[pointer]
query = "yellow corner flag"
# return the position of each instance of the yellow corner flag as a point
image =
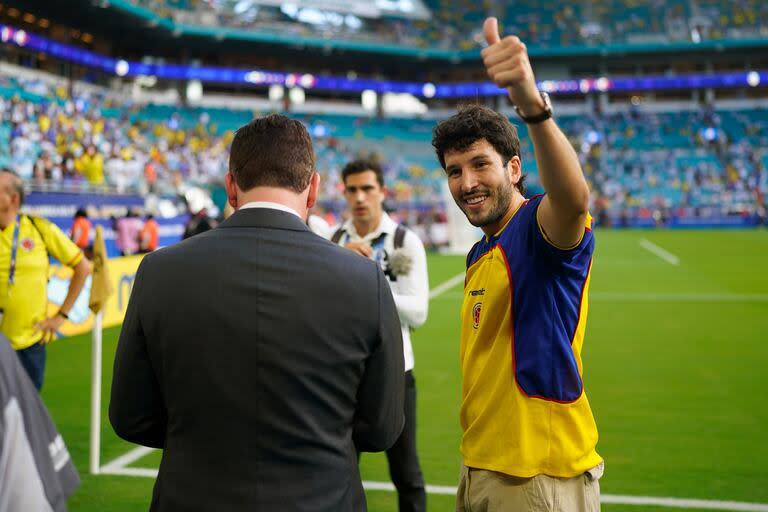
(101, 288)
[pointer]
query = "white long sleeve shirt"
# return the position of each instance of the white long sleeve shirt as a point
(411, 290)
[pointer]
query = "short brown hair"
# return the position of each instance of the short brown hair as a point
(358, 166)
(272, 151)
(473, 123)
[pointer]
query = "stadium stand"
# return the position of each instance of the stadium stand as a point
(700, 163)
(454, 23)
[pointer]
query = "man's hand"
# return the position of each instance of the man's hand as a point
(360, 248)
(507, 64)
(49, 326)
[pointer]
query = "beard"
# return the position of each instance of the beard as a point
(499, 200)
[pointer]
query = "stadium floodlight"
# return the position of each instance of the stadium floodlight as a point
(276, 92)
(297, 96)
(307, 81)
(194, 91)
(20, 37)
(548, 86)
(256, 77)
(369, 99)
(753, 78)
(291, 79)
(429, 90)
(602, 84)
(121, 68)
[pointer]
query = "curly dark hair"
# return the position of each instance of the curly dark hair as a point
(358, 166)
(473, 123)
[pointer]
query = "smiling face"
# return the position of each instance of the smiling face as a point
(482, 185)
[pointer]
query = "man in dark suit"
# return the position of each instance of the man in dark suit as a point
(258, 355)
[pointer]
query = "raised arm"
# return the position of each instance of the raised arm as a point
(563, 210)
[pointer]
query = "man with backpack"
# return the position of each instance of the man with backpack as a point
(26, 242)
(373, 234)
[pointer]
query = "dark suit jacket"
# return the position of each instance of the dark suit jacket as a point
(257, 355)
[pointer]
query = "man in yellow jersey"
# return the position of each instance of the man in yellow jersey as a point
(529, 436)
(26, 242)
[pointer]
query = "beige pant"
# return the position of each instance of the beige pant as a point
(488, 491)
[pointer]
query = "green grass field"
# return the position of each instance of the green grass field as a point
(676, 367)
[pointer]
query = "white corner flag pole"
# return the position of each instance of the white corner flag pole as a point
(96, 393)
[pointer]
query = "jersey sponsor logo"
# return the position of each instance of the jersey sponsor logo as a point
(475, 293)
(476, 314)
(27, 244)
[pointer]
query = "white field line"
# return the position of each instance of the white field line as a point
(679, 297)
(446, 285)
(126, 459)
(658, 297)
(659, 251)
(605, 498)
(138, 472)
(684, 503)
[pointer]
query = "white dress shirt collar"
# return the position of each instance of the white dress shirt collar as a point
(270, 205)
(386, 225)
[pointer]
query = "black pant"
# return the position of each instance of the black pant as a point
(404, 468)
(32, 359)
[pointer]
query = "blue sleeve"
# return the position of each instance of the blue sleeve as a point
(532, 236)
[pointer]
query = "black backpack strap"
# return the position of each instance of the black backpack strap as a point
(400, 236)
(337, 235)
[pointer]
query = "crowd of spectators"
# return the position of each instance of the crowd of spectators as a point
(638, 163)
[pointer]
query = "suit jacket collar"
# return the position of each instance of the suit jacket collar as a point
(264, 218)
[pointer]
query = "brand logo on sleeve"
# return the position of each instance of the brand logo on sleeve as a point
(476, 314)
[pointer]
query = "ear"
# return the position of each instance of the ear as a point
(384, 193)
(314, 190)
(231, 187)
(515, 169)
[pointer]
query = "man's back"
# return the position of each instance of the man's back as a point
(274, 353)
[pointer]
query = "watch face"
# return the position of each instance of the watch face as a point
(547, 101)
(546, 114)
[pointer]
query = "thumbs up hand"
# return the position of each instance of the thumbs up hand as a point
(507, 64)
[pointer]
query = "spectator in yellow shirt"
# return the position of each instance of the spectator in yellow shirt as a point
(91, 165)
(26, 242)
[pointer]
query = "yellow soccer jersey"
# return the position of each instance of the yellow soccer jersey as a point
(524, 411)
(25, 303)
